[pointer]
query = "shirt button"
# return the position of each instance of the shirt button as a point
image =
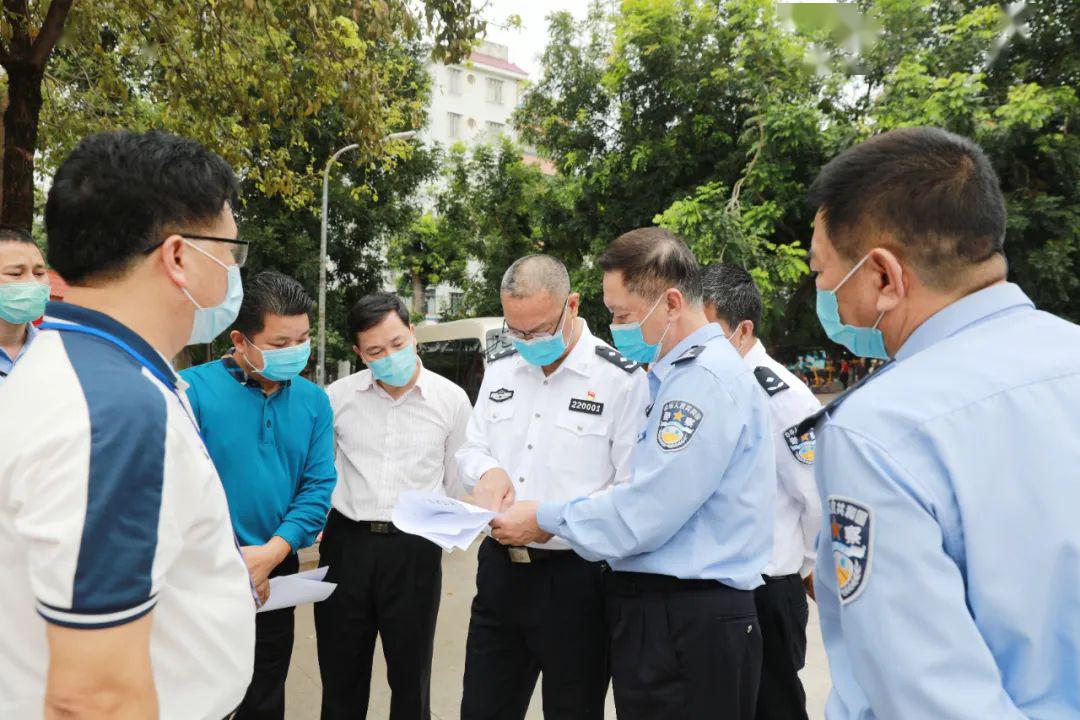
(545, 382)
(579, 428)
(530, 447)
(521, 479)
(537, 414)
(267, 423)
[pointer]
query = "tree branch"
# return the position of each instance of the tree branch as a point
(50, 33)
(18, 16)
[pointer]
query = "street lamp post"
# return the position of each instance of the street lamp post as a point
(320, 367)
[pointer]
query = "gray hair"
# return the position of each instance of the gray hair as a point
(533, 273)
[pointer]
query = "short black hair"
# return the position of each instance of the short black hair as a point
(651, 260)
(117, 192)
(14, 233)
(270, 293)
(732, 291)
(934, 192)
(372, 309)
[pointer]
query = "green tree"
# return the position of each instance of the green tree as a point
(245, 78)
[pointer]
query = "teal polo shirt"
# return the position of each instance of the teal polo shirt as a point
(275, 453)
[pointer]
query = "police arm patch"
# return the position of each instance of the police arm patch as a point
(769, 381)
(679, 421)
(852, 532)
(801, 446)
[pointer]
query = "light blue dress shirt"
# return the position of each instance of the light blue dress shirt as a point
(948, 577)
(703, 478)
(7, 363)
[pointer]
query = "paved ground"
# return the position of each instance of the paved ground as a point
(459, 586)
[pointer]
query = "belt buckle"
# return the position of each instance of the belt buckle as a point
(519, 555)
(381, 528)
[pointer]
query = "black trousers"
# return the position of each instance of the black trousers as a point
(265, 697)
(543, 617)
(388, 585)
(783, 612)
(682, 649)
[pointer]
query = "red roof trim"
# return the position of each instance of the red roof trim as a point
(491, 61)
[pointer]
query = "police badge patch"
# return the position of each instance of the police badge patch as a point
(801, 446)
(851, 527)
(501, 395)
(679, 420)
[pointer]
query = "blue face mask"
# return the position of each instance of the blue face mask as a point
(22, 302)
(867, 342)
(212, 321)
(543, 351)
(396, 369)
(630, 341)
(283, 363)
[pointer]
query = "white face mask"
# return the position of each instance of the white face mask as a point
(212, 321)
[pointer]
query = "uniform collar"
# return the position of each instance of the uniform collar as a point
(966, 311)
(757, 355)
(31, 333)
(78, 315)
(702, 335)
(576, 361)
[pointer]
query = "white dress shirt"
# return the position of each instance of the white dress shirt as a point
(798, 507)
(383, 446)
(559, 437)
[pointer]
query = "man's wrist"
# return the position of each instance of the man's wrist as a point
(280, 547)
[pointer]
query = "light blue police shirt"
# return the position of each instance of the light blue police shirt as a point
(7, 363)
(703, 476)
(948, 577)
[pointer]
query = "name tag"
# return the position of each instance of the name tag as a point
(589, 407)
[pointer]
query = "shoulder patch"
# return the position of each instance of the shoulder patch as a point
(679, 421)
(689, 354)
(852, 533)
(499, 352)
(801, 446)
(617, 359)
(770, 381)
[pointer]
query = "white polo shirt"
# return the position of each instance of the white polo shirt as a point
(111, 508)
(798, 506)
(567, 435)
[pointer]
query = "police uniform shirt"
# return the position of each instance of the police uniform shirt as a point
(385, 446)
(110, 507)
(703, 476)
(561, 436)
(7, 363)
(948, 580)
(798, 505)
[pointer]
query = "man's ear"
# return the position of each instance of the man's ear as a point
(890, 278)
(357, 351)
(573, 302)
(173, 255)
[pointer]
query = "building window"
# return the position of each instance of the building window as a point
(494, 91)
(494, 130)
(455, 81)
(454, 121)
(430, 306)
(457, 300)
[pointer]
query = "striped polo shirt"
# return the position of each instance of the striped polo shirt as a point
(110, 507)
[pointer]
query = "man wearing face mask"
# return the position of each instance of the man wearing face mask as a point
(947, 576)
(114, 528)
(270, 434)
(396, 428)
(24, 290)
(733, 302)
(688, 535)
(556, 418)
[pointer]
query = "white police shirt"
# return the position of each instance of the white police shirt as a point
(798, 505)
(110, 507)
(560, 437)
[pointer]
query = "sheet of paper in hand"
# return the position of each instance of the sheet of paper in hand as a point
(444, 521)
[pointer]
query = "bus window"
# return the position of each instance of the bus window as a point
(460, 361)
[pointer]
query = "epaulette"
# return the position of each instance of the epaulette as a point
(616, 359)
(689, 354)
(811, 421)
(499, 352)
(768, 380)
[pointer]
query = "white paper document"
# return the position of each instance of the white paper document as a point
(306, 587)
(444, 521)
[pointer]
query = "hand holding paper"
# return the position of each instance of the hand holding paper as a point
(289, 590)
(444, 521)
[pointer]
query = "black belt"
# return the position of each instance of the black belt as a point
(648, 582)
(773, 579)
(375, 527)
(526, 555)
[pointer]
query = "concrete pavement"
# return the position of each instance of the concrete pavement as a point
(303, 690)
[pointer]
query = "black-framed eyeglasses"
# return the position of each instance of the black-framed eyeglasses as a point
(239, 247)
(519, 335)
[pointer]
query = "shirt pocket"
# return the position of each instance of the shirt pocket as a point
(582, 452)
(499, 412)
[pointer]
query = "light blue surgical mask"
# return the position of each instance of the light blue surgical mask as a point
(396, 369)
(543, 351)
(630, 341)
(212, 321)
(867, 342)
(283, 364)
(22, 302)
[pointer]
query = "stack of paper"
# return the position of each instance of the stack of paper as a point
(289, 590)
(444, 521)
